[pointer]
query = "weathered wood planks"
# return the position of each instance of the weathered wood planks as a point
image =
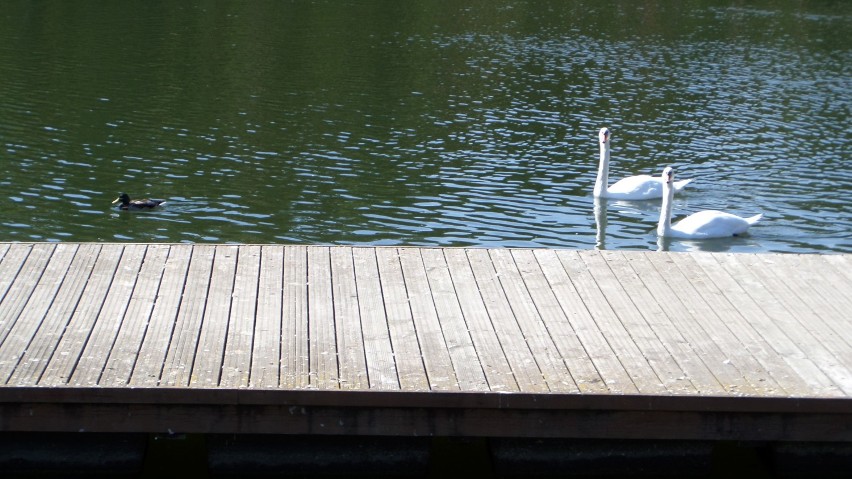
(424, 320)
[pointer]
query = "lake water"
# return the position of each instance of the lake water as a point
(438, 123)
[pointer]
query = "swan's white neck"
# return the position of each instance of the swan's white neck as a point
(602, 181)
(664, 227)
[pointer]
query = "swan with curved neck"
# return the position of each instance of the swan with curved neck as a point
(701, 225)
(639, 187)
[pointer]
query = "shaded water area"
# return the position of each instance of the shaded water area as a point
(436, 123)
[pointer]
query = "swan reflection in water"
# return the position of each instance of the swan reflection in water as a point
(600, 223)
(717, 245)
(624, 210)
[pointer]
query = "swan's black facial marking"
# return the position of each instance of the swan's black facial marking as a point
(604, 135)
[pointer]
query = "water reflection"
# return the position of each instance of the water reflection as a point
(715, 245)
(379, 122)
(600, 210)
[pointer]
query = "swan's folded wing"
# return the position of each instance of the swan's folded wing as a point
(711, 224)
(640, 187)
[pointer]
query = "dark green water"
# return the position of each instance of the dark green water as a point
(466, 123)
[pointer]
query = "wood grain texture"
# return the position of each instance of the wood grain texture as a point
(446, 328)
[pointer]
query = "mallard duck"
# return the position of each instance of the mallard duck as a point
(639, 187)
(144, 204)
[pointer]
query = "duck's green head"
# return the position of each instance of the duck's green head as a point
(124, 198)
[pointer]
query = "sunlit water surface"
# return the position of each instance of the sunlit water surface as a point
(422, 123)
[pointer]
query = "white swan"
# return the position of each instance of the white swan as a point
(700, 225)
(640, 187)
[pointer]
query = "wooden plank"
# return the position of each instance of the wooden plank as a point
(102, 319)
(829, 282)
(785, 320)
(19, 291)
(803, 303)
(686, 373)
(433, 346)
(406, 349)
(553, 369)
(123, 321)
(237, 360)
(351, 357)
(833, 269)
(205, 369)
(296, 340)
(22, 328)
(13, 261)
(614, 312)
(42, 345)
(494, 360)
(268, 363)
(816, 313)
(718, 319)
(557, 322)
(63, 361)
(705, 348)
(815, 285)
(466, 364)
(98, 347)
(743, 371)
(321, 328)
(378, 351)
(842, 264)
(158, 333)
(524, 367)
(19, 276)
(571, 283)
(769, 373)
(797, 320)
(805, 376)
(641, 352)
(183, 345)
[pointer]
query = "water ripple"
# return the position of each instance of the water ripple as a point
(477, 129)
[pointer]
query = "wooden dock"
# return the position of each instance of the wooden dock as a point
(425, 342)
